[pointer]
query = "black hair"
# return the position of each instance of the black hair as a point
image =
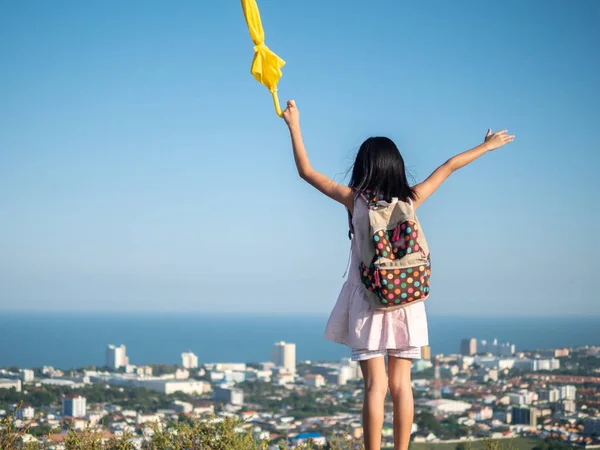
(379, 168)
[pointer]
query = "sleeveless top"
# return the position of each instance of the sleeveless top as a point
(355, 323)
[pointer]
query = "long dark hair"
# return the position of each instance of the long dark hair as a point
(379, 167)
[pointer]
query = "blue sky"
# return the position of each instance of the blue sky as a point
(142, 168)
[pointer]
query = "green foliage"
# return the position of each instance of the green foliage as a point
(212, 434)
(552, 444)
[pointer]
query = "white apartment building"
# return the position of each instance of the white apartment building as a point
(568, 392)
(546, 364)
(284, 355)
(116, 357)
(26, 375)
(189, 360)
(314, 380)
(74, 405)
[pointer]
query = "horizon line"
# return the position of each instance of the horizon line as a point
(278, 314)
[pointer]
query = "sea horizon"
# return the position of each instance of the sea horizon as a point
(77, 338)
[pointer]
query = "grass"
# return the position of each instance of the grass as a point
(515, 443)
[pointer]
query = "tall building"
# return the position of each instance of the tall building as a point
(568, 392)
(26, 375)
(74, 405)
(426, 353)
(468, 346)
(568, 406)
(524, 416)
(116, 357)
(189, 360)
(284, 355)
(550, 395)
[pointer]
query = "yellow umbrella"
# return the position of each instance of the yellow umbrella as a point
(266, 66)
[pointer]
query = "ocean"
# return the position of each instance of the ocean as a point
(70, 340)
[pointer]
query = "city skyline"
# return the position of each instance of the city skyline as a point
(500, 397)
(110, 162)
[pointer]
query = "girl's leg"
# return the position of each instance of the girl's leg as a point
(402, 397)
(373, 370)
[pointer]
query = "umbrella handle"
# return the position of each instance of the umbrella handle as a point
(276, 102)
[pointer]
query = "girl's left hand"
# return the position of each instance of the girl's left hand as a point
(498, 139)
(291, 115)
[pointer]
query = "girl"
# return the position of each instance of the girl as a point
(374, 334)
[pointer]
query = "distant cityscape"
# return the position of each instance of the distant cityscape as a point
(486, 390)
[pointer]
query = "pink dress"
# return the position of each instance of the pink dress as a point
(355, 323)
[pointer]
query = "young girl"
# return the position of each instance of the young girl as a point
(374, 334)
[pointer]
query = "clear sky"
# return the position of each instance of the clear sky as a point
(142, 168)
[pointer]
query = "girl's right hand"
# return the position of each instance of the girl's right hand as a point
(496, 140)
(291, 115)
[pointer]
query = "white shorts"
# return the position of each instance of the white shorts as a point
(408, 353)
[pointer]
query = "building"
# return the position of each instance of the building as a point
(22, 413)
(443, 406)
(314, 380)
(181, 407)
(546, 364)
(426, 353)
(238, 367)
(561, 352)
(481, 414)
(568, 406)
(522, 398)
(260, 375)
(420, 364)
(144, 371)
(26, 375)
(591, 426)
(448, 371)
(189, 360)
(116, 357)
(302, 438)
(336, 378)
(485, 375)
(568, 392)
(523, 364)
(229, 395)
(468, 346)
(524, 416)
(284, 355)
(352, 369)
(228, 376)
(495, 348)
(74, 405)
(167, 386)
(5, 383)
(550, 395)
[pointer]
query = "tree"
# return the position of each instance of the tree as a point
(552, 444)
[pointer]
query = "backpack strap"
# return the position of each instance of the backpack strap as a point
(350, 226)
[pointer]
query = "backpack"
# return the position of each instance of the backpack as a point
(395, 264)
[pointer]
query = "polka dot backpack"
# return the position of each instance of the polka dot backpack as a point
(395, 265)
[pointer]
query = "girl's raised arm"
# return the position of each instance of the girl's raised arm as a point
(327, 186)
(491, 142)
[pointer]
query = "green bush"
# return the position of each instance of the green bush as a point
(221, 434)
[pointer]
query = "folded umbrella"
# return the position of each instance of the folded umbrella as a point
(266, 65)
